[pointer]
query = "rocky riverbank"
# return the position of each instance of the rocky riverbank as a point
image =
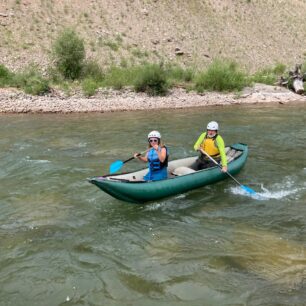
(14, 101)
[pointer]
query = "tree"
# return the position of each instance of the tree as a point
(69, 54)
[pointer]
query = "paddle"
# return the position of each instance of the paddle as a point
(117, 165)
(245, 188)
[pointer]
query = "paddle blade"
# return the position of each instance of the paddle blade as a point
(248, 189)
(115, 166)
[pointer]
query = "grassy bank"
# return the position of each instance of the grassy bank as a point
(154, 79)
(70, 69)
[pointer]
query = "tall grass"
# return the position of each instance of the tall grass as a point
(268, 76)
(30, 80)
(152, 79)
(89, 87)
(149, 78)
(221, 76)
(91, 69)
(119, 77)
(304, 69)
(175, 74)
(6, 76)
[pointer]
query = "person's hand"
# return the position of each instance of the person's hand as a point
(155, 146)
(136, 155)
(224, 169)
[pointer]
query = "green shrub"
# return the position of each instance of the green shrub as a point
(123, 63)
(221, 76)
(268, 76)
(68, 87)
(118, 77)
(304, 67)
(69, 54)
(37, 86)
(265, 76)
(111, 44)
(139, 54)
(89, 87)
(31, 81)
(91, 69)
(279, 68)
(5, 76)
(55, 76)
(115, 78)
(152, 80)
(178, 73)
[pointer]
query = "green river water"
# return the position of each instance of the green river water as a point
(65, 242)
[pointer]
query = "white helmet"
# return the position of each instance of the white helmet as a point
(213, 125)
(154, 134)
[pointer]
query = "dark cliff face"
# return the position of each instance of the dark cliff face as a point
(256, 34)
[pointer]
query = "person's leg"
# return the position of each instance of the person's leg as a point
(148, 176)
(159, 174)
(212, 164)
(201, 164)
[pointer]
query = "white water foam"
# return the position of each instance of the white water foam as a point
(240, 191)
(164, 204)
(81, 145)
(37, 161)
(152, 207)
(266, 194)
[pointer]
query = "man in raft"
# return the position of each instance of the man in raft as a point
(213, 144)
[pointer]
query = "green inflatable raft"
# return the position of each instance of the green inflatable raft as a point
(182, 177)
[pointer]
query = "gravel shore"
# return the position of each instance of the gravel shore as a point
(14, 101)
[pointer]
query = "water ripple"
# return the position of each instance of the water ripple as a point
(64, 242)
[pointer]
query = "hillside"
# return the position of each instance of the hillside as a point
(255, 33)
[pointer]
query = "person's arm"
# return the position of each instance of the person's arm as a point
(162, 153)
(221, 147)
(142, 158)
(199, 141)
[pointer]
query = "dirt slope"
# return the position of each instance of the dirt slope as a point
(255, 33)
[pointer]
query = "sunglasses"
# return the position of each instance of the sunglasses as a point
(153, 140)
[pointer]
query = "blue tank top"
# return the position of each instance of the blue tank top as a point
(157, 169)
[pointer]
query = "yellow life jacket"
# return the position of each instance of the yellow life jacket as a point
(209, 146)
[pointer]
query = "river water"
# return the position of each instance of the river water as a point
(65, 242)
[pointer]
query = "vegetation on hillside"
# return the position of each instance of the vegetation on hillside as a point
(70, 68)
(30, 80)
(69, 54)
(221, 76)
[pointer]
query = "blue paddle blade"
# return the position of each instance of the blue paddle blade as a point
(115, 166)
(248, 189)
